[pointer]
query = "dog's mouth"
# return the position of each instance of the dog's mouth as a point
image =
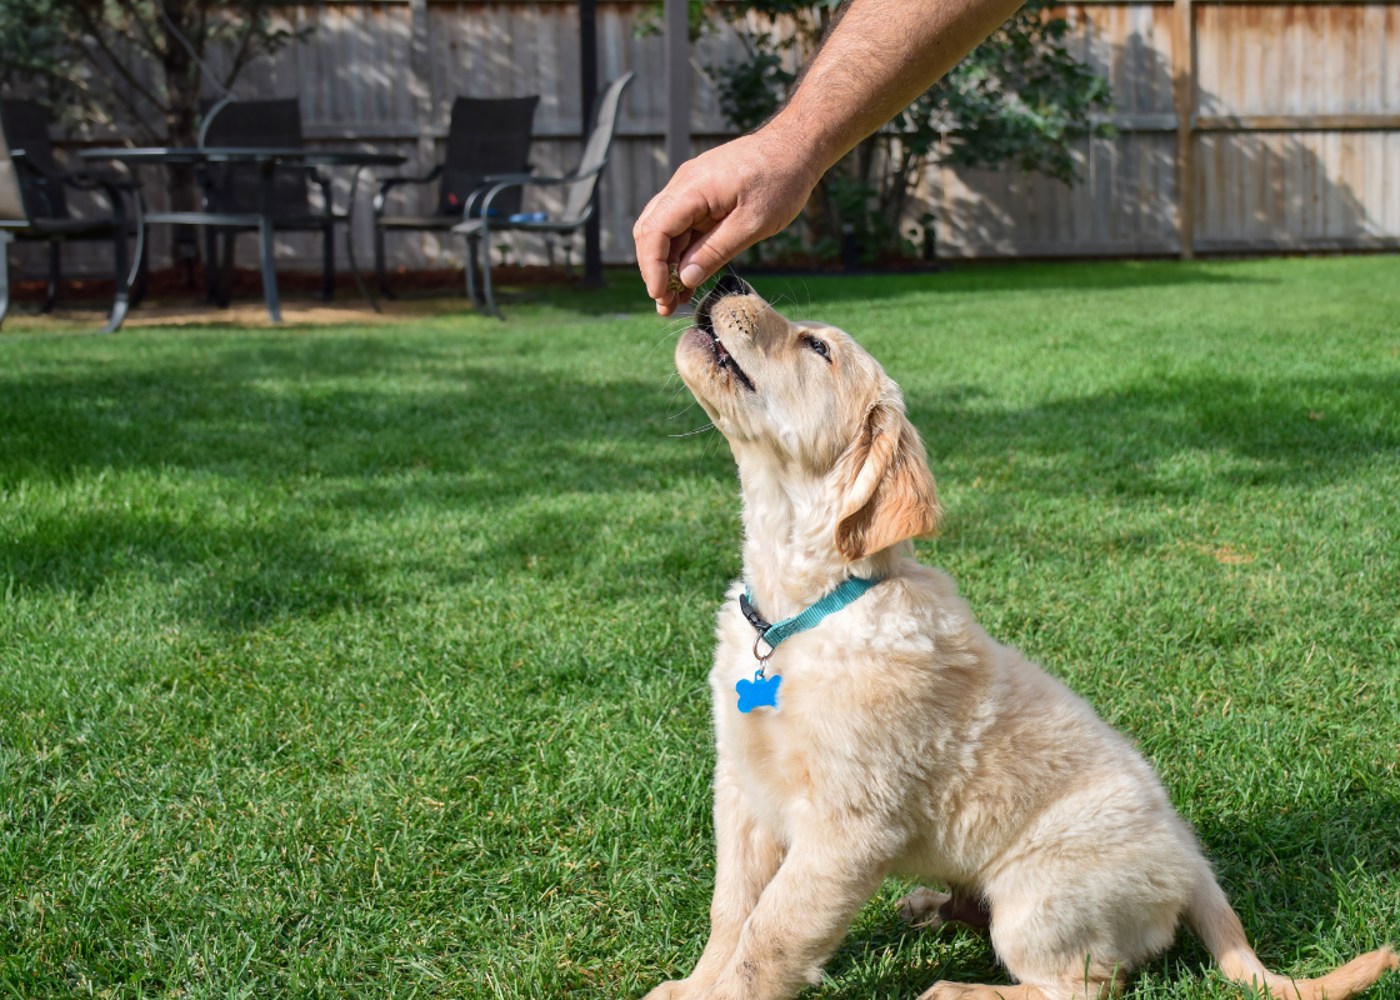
(724, 361)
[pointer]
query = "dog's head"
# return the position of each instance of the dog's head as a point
(805, 402)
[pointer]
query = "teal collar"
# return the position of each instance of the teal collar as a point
(773, 634)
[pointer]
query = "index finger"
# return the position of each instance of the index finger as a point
(664, 230)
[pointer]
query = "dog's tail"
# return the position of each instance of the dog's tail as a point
(1215, 923)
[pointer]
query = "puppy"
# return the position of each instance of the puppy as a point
(886, 732)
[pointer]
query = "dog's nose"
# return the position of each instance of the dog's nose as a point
(727, 284)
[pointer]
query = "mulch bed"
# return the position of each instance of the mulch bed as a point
(174, 283)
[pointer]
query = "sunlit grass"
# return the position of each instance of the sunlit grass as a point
(369, 660)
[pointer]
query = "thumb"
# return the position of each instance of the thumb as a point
(710, 251)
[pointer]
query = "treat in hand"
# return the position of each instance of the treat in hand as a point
(675, 285)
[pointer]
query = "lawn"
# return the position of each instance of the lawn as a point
(366, 661)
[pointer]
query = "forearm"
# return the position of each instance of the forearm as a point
(878, 58)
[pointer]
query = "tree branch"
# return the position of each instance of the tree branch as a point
(124, 98)
(114, 69)
(152, 45)
(244, 54)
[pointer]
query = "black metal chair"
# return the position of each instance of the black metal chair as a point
(236, 188)
(486, 136)
(34, 206)
(482, 215)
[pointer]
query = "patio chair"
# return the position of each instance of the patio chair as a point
(481, 217)
(237, 188)
(34, 206)
(486, 136)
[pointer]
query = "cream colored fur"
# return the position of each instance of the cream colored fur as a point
(906, 739)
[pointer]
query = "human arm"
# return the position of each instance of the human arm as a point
(880, 55)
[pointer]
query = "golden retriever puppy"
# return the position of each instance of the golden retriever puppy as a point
(865, 725)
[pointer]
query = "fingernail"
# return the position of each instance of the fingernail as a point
(661, 307)
(692, 275)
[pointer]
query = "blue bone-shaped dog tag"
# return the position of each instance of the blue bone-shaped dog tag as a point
(759, 692)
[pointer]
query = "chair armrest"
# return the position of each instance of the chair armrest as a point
(84, 179)
(511, 179)
(89, 179)
(40, 181)
(112, 185)
(494, 184)
(322, 181)
(501, 182)
(387, 184)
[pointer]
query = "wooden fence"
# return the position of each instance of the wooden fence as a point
(1242, 127)
(1246, 126)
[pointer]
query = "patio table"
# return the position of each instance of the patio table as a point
(264, 221)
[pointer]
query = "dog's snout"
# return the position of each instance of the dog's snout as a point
(727, 284)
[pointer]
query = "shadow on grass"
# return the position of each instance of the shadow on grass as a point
(991, 279)
(470, 436)
(511, 434)
(1296, 431)
(624, 294)
(1280, 869)
(254, 459)
(269, 571)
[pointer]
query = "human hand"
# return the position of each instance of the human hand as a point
(716, 206)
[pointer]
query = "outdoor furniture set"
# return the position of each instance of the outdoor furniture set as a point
(255, 174)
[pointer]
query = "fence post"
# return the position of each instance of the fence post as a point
(420, 82)
(1184, 97)
(677, 82)
(588, 80)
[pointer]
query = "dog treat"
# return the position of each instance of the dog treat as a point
(675, 285)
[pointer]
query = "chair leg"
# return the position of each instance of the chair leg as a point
(225, 291)
(328, 262)
(212, 267)
(486, 280)
(381, 275)
(121, 301)
(354, 262)
(55, 276)
(472, 293)
(143, 277)
(267, 247)
(4, 274)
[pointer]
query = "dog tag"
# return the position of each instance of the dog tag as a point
(758, 693)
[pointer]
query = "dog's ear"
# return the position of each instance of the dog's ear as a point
(887, 489)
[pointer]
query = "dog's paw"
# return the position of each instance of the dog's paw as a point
(676, 989)
(921, 908)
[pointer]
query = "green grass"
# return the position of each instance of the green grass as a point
(369, 661)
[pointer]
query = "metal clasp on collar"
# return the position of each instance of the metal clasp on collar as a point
(762, 658)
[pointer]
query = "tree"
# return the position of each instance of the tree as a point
(1019, 99)
(135, 64)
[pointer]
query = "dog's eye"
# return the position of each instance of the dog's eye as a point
(819, 346)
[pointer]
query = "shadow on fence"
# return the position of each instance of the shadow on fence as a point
(1253, 190)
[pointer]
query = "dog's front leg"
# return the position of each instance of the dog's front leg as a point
(746, 857)
(803, 913)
